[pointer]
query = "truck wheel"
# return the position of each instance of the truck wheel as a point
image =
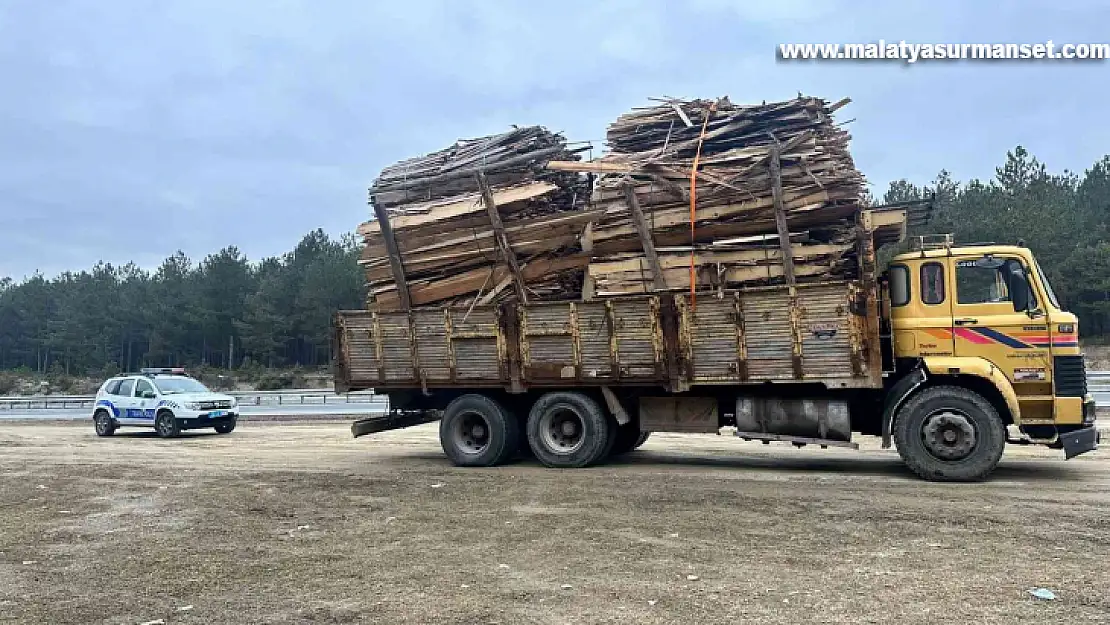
(166, 425)
(628, 437)
(105, 426)
(949, 434)
(569, 430)
(476, 431)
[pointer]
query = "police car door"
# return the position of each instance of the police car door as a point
(125, 403)
(146, 398)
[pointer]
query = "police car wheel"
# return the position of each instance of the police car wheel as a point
(105, 426)
(166, 425)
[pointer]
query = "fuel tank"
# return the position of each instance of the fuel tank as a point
(820, 418)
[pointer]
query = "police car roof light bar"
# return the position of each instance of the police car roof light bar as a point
(163, 371)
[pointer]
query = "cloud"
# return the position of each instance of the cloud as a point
(131, 129)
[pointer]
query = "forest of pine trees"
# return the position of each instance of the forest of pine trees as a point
(223, 310)
(226, 310)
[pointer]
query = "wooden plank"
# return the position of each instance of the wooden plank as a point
(587, 242)
(678, 279)
(461, 205)
(645, 236)
(395, 263)
(497, 288)
(520, 159)
(673, 216)
(472, 280)
(738, 257)
(507, 253)
(682, 115)
(780, 217)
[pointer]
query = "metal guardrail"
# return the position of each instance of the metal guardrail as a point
(1098, 384)
(245, 398)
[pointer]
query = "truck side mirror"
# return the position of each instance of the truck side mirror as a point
(1019, 291)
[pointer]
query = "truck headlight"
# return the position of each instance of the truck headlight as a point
(192, 405)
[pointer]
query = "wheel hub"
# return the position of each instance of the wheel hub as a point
(949, 435)
(563, 430)
(472, 434)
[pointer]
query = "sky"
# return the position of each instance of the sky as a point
(130, 129)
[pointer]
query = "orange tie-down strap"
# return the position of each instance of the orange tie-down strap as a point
(694, 203)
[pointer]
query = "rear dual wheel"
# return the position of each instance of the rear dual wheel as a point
(477, 431)
(628, 438)
(564, 429)
(569, 430)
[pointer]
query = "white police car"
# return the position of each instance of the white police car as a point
(165, 399)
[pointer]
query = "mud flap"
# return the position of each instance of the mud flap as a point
(1079, 442)
(896, 396)
(393, 421)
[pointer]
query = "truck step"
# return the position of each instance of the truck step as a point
(797, 441)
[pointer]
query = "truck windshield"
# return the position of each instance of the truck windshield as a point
(171, 386)
(1047, 287)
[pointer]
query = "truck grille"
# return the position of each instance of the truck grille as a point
(1069, 375)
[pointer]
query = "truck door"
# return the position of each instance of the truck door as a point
(987, 323)
(920, 308)
(934, 309)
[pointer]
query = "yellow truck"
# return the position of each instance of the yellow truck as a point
(950, 353)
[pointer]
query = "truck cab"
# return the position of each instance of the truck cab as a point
(984, 317)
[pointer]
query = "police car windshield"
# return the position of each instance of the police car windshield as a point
(170, 386)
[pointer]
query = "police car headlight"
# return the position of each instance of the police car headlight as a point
(192, 405)
(234, 403)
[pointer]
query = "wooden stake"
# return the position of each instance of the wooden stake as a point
(787, 262)
(394, 257)
(499, 236)
(780, 217)
(587, 242)
(658, 279)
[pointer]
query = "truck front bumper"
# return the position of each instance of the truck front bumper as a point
(1079, 442)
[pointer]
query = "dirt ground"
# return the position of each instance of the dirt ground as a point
(300, 523)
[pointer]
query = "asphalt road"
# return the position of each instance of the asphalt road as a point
(287, 410)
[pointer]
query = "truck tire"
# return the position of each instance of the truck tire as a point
(476, 431)
(949, 434)
(628, 437)
(569, 430)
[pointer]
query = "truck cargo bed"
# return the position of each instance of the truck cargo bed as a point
(817, 333)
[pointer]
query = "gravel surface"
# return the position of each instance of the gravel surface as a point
(300, 523)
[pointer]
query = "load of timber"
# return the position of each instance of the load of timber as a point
(477, 222)
(731, 195)
(693, 196)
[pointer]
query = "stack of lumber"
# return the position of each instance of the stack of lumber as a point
(451, 248)
(746, 156)
(702, 195)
